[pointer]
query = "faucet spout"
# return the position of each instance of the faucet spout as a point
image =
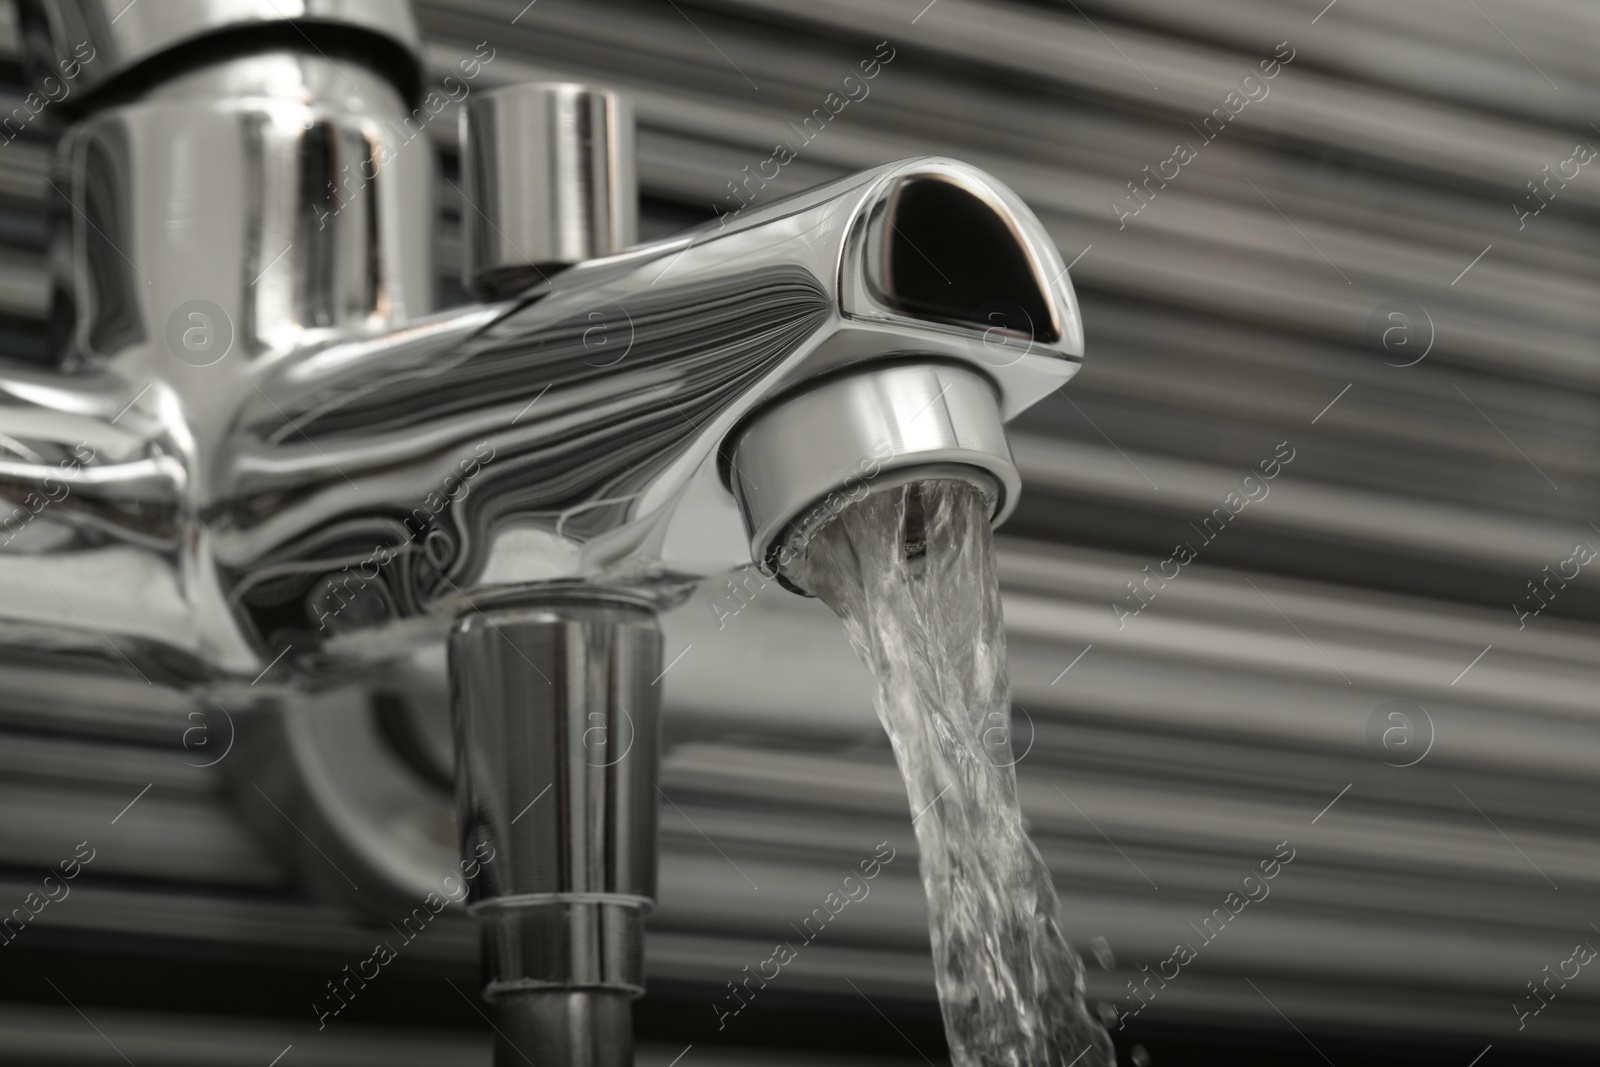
(349, 497)
(582, 434)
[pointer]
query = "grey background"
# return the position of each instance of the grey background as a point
(1223, 319)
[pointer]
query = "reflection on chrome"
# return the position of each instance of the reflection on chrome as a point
(326, 485)
(261, 466)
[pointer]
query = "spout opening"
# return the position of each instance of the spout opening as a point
(789, 548)
(938, 251)
(811, 455)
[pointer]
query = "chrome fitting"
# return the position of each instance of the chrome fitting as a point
(556, 761)
(811, 454)
(549, 170)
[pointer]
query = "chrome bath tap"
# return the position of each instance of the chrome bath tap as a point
(261, 464)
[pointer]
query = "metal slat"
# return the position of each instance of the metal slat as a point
(1208, 729)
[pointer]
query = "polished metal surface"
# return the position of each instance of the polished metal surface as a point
(557, 757)
(300, 466)
(100, 40)
(346, 477)
(232, 217)
(561, 940)
(799, 464)
(549, 181)
(588, 1028)
(338, 766)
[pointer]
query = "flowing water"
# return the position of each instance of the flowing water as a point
(911, 572)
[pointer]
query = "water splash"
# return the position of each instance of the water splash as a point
(911, 572)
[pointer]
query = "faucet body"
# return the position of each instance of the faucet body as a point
(345, 489)
(262, 463)
(207, 235)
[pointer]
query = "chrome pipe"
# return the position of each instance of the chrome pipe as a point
(557, 756)
(578, 1028)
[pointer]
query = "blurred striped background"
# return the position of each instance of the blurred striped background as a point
(1244, 306)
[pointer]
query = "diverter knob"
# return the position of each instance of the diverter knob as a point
(548, 176)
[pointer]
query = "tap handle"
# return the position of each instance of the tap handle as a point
(547, 170)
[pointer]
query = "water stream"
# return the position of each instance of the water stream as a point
(911, 572)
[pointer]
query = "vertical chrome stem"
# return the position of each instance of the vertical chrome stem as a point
(564, 1028)
(557, 754)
